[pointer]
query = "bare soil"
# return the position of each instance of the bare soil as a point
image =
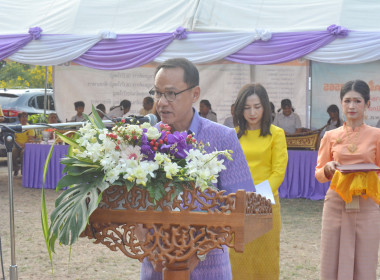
(300, 237)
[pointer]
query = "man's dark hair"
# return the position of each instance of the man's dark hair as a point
(79, 104)
(125, 104)
(191, 74)
(101, 107)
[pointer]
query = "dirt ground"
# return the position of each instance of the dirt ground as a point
(300, 236)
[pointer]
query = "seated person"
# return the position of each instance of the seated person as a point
(121, 110)
(206, 111)
(229, 121)
(79, 107)
(147, 106)
(20, 140)
(53, 118)
(334, 120)
(101, 109)
(289, 121)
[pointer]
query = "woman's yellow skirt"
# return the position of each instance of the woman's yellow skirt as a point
(364, 184)
(261, 257)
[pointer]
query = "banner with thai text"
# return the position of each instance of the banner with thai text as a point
(327, 80)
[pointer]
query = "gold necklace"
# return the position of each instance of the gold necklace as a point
(352, 147)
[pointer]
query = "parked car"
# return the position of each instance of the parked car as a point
(14, 101)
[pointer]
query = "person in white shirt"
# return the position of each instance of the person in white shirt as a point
(289, 121)
(79, 107)
(121, 110)
(206, 112)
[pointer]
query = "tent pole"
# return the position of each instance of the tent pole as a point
(45, 96)
(9, 142)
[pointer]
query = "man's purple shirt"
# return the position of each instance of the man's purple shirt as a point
(236, 176)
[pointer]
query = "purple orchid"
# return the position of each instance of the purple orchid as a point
(177, 144)
(145, 147)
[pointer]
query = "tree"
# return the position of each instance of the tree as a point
(18, 75)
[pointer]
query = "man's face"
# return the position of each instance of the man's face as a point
(287, 110)
(178, 113)
(80, 109)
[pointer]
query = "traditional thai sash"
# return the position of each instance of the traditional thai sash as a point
(364, 184)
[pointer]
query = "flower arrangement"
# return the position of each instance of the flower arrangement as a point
(130, 155)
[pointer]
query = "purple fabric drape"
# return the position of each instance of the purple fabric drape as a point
(287, 46)
(33, 166)
(299, 179)
(9, 44)
(128, 51)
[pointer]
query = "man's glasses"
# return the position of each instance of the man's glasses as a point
(170, 95)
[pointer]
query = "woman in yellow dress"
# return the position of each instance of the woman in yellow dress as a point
(350, 233)
(264, 146)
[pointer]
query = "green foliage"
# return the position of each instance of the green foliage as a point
(37, 118)
(18, 75)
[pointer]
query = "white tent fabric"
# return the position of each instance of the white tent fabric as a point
(55, 50)
(204, 48)
(346, 51)
(80, 22)
(155, 16)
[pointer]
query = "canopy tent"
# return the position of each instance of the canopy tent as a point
(122, 34)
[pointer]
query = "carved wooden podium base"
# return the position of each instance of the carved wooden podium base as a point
(173, 235)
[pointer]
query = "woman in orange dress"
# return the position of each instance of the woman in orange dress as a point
(351, 216)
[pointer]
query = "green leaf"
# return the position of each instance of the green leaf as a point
(73, 208)
(68, 140)
(69, 180)
(45, 225)
(46, 165)
(98, 121)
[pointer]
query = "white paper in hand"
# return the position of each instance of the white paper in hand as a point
(264, 189)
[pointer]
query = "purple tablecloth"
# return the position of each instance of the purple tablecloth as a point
(299, 179)
(34, 159)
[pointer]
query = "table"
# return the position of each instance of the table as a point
(299, 179)
(33, 167)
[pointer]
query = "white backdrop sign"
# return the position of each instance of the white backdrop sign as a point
(286, 80)
(220, 84)
(327, 80)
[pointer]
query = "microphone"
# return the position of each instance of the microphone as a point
(17, 128)
(150, 118)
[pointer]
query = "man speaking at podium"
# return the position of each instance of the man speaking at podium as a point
(176, 89)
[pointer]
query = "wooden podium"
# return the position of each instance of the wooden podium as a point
(174, 235)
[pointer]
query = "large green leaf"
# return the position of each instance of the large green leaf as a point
(69, 180)
(73, 208)
(45, 224)
(97, 120)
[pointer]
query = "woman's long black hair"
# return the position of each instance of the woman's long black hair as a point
(244, 93)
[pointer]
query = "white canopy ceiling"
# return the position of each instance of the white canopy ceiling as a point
(156, 16)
